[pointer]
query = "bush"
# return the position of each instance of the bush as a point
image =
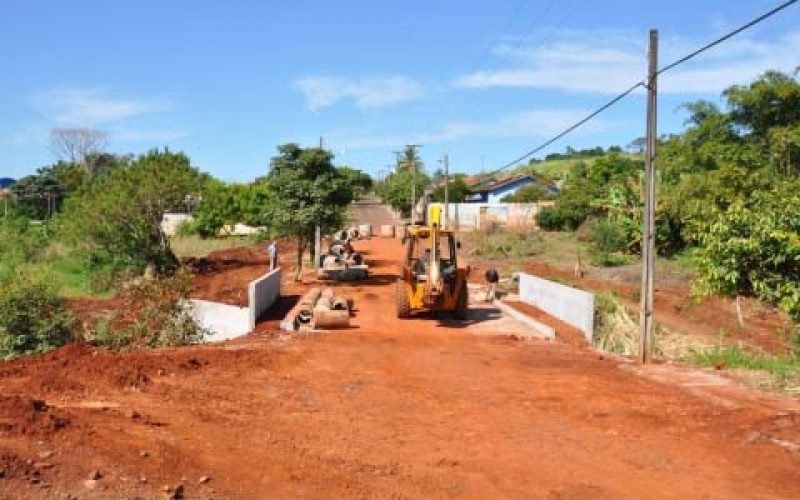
(33, 319)
(154, 315)
(563, 216)
(610, 237)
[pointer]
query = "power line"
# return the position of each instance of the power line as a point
(642, 83)
(726, 37)
(571, 128)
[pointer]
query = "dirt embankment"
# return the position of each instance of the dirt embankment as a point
(425, 408)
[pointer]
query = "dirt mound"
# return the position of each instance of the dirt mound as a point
(21, 415)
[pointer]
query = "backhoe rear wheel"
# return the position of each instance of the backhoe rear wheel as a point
(462, 304)
(401, 300)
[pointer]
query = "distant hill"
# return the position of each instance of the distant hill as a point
(559, 168)
(6, 182)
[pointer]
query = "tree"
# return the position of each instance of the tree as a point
(311, 192)
(361, 181)
(458, 190)
(117, 218)
(228, 204)
(396, 189)
(77, 145)
(527, 194)
(754, 248)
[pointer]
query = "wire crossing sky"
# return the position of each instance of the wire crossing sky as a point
(228, 81)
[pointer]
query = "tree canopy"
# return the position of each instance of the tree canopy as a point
(311, 192)
(117, 218)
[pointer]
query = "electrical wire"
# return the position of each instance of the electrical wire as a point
(643, 83)
(726, 37)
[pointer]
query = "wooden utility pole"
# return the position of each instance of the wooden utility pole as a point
(446, 192)
(646, 321)
(413, 183)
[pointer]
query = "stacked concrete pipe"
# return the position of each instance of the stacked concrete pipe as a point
(318, 309)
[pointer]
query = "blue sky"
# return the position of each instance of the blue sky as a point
(483, 81)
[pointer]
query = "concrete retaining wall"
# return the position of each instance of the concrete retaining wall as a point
(222, 321)
(568, 304)
(262, 293)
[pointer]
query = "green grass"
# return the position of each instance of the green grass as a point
(194, 246)
(733, 357)
(70, 275)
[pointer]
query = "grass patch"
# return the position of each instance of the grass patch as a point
(502, 243)
(736, 357)
(783, 372)
(195, 246)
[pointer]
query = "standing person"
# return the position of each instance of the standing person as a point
(273, 255)
(492, 277)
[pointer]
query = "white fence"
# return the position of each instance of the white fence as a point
(481, 215)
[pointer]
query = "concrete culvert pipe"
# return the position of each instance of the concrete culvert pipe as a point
(340, 304)
(341, 242)
(387, 231)
(356, 258)
(305, 309)
(332, 319)
(340, 235)
(304, 316)
(332, 262)
(337, 250)
(325, 300)
(353, 233)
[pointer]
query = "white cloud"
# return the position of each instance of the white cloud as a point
(530, 124)
(90, 107)
(322, 91)
(608, 63)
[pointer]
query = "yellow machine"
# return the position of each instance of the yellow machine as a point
(430, 277)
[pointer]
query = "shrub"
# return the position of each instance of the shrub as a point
(33, 319)
(154, 315)
(610, 237)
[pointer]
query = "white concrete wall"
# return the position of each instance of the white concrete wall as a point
(477, 215)
(262, 293)
(568, 304)
(225, 322)
(222, 321)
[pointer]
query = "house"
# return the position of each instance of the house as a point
(497, 190)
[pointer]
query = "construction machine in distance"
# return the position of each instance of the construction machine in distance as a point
(432, 282)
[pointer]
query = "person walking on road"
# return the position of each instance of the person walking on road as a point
(273, 255)
(492, 277)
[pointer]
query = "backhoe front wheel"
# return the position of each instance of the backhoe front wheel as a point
(401, 300)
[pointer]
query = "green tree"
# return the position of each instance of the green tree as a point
(311, 191)
(117, 218)
(754, 248)
(222, 204)
(528, 194)
(396, 189)
(458, 190)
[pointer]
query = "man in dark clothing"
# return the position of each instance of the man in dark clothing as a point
(492, 277)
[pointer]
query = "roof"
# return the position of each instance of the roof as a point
(496, 185)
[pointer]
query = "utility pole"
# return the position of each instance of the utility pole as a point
(648, 229)
(413, 160)
(446, 192)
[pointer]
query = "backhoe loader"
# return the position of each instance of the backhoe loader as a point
(430, 278)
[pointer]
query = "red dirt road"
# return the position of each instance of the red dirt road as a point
(389, 409)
